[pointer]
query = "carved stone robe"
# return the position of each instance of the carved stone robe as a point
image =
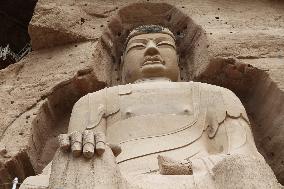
(187, 121)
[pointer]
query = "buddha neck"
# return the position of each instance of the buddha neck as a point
(153, 79)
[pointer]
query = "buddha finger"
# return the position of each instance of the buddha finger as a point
(100, 143)
(64, 142)
(88, 144)
(76, 143)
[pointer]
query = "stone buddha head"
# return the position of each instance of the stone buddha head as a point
(150, 53)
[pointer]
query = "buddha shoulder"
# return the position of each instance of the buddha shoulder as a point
(222, 101)
(104, 100)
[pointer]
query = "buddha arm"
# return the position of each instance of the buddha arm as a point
(88, 113)
(233, 137)
(239, 137)
(231, 125)
(239, 152)
(229, 132)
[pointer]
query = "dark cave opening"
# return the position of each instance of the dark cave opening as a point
(15, 16)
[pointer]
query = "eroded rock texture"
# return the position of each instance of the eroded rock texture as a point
(236, 44)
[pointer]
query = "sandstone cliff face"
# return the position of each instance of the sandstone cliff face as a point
(244, 47)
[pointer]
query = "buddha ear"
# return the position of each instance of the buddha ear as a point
(121, 62)
(121, 67)
(121, 59)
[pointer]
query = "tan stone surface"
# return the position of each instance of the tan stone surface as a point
(256, 38)
(24, 97)
(245, 29)
(164, 127)
(266, 105)
(38, 182)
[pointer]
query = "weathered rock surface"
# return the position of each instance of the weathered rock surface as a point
(27, 97)
(64, 35)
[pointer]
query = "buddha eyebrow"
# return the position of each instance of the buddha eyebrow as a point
(138, 41)
(145, 41)
(159, 39)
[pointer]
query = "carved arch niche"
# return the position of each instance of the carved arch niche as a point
(53, 115)
(190, 37)
(194, 65)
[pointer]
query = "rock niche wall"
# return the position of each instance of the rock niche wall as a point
(76, 48)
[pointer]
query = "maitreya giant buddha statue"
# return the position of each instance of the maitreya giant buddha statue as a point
(156, 132)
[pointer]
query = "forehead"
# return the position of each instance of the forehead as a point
(152, 36)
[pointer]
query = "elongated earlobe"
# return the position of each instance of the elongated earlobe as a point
(180, 74)
(121, 59)
(122, 79)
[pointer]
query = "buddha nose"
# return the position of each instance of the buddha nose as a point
(151, 49)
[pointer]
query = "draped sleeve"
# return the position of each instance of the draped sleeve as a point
(221, 104)
(90, 109)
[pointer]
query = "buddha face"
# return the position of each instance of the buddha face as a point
(151, 55)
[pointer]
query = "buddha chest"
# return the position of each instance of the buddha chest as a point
(152, 109)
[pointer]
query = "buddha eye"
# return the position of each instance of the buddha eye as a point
(162, 44)
(136, 46)
(166, 44)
